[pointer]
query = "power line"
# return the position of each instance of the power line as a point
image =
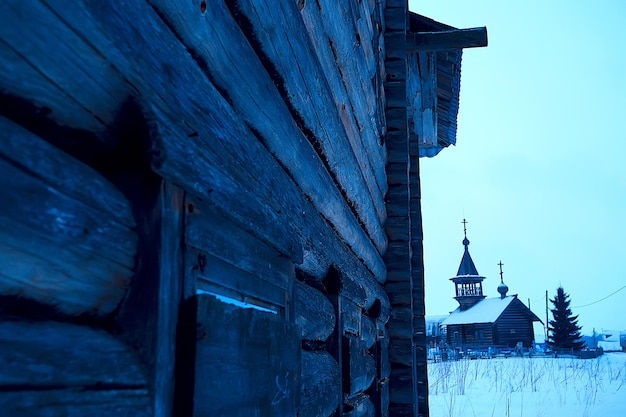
(601, 299)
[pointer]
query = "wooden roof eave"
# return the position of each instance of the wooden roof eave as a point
(437, 48)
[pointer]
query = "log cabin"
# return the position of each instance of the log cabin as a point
(480, 322)
(213, 209)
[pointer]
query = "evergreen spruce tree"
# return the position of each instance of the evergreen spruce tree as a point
(564, 331)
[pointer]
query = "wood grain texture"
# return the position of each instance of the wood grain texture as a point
(63, 244)
(321, 384)
(195, 133)
(314, 313)
(55, 369)
(244, 351)
(235, 68)
(150, 48)
(359, 364)
(279, 30)
(330, 33)
(88, 99)
(209, 231)
(447, 39)
(363, 408)
(77, 402)
(171, 206)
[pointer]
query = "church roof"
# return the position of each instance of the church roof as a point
(485, 311)
(467, 266)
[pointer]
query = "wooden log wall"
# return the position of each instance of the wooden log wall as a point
(217, 193)
(405, 287)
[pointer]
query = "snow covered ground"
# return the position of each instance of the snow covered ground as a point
(523, 387)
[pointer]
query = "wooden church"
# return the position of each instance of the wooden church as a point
(212, 208)
(481, 322)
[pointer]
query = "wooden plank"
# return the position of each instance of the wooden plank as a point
(244, 351)
(172, 209)
(280, 31)
(216, 276)
(63, 244)
(426, 108)
(447, 39)
(315, 314)
(207, 230)
(320, 393)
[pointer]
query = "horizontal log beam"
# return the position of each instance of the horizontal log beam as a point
(200, 141)
(448, 39)
(61, 243)
(283, 39)
(65, 369)
(315, 314)
(321, 384)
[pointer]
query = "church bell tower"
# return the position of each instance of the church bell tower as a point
(468, 283)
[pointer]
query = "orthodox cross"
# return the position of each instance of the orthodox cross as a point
(464, 227)
(501, 271)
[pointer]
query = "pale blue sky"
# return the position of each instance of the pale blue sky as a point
(539, 169)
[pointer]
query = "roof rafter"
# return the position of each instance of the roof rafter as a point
(446, 39)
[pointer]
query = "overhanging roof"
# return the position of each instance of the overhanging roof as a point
(435, 51)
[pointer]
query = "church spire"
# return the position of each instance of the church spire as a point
(468, 284)
(467, 266)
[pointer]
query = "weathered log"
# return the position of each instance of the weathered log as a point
(279, 30)
(368, 331)
(320, 392)
(314, 313)
(62, 243)
(254, 95)
(401, 385)
(242, 350)
(195, 133)
(359, 364)
(363, 408)
(346, 86)
(52, 368)
(74, 85)
(76, 402)
(112, 52)
(400, 351)
(401, 322)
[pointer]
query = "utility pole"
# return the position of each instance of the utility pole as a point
(546, 316)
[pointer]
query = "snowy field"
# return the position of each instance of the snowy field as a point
(523, 387)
